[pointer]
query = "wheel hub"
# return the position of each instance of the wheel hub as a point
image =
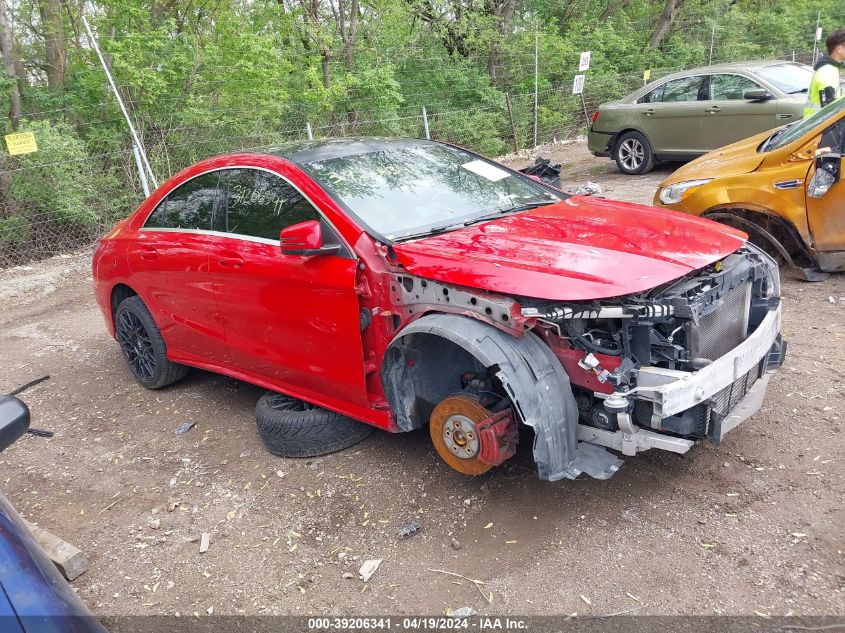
(461, 436)
(454, 432)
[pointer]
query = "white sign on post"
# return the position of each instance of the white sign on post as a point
(578, 85)
(584, 64)
(818, 34)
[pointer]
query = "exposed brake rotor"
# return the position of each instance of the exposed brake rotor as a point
(454, 433)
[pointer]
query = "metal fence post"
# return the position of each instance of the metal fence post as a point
(513, 123)
(137, 141)
(712, 39)
(308, 131)
(536, 79)
(425, 124)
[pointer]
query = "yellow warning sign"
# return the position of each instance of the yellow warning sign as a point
(21, 143)
(647, 75)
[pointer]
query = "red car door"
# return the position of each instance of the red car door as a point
(169, 264)
(291, 320)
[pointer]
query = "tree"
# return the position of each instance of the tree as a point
(503, 11)
(54, 43)
(664, 22)
(10, 65)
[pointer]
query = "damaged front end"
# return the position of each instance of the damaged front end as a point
(684, 361)
(664, 368)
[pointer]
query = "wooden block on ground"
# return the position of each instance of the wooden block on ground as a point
(70, 560)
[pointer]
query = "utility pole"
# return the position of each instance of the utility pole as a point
(712, 39)
(136, 140)
(816, 37)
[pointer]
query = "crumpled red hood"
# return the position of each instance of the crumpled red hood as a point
(575, 250)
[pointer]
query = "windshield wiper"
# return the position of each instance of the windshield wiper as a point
(514, 209)
(795, 92)
(482, 218)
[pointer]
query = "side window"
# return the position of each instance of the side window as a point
(260, 204)
(189, 206)
(655, 96)
(730, 87)
(684, 89)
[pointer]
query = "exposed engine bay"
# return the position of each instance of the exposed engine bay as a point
(682, 326)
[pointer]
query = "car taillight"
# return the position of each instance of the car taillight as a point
(595, 116)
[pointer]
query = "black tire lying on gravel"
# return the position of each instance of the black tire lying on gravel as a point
(293, 428)
(143, 346)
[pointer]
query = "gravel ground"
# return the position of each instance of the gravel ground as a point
(753, 525)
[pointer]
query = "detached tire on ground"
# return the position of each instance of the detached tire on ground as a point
(143, 346)
(293, 428)
(633, 154)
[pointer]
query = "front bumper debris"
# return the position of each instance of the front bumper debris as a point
(732, 388)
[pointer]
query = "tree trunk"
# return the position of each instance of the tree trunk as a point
(664, 22)
(54, 43)
(503, 10)
(614, 6)
(351, 35)
(8, 51)
(324, 62)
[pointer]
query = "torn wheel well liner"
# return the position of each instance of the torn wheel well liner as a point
(424, 362)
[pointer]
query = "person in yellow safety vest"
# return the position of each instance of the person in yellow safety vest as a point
(825, 86)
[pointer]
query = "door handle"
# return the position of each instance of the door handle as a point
(148, 252)
(783, 115)
(649, 112)
(713, 110)
(230, 262)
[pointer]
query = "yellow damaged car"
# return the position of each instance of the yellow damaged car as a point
(783, 188)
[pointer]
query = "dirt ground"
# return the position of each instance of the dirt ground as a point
(754, 525)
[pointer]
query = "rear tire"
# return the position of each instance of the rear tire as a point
(142, 345)
(633, 154)
(293, 428)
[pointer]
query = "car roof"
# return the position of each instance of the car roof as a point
(750, 66)
(302, 152)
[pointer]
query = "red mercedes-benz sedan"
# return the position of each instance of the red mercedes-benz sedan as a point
(403, 283)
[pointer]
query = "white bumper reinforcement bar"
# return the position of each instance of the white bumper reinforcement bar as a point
(672, 392)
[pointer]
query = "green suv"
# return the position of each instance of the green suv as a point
(689, 113)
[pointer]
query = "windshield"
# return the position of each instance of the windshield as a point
(788, 78)
(410, 190)
(793, 132)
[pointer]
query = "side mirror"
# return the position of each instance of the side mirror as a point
(828, 171)
(758, 94)
(305, 238)
(14, 420)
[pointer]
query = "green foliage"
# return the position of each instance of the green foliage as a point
(63, 192)
(206, 78)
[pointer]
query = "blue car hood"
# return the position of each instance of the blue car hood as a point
(33, 595)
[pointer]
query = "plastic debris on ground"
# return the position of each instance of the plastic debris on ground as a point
(408, 530)
(545, 170)
(589, 189)
(185, 427)
(462, 613)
